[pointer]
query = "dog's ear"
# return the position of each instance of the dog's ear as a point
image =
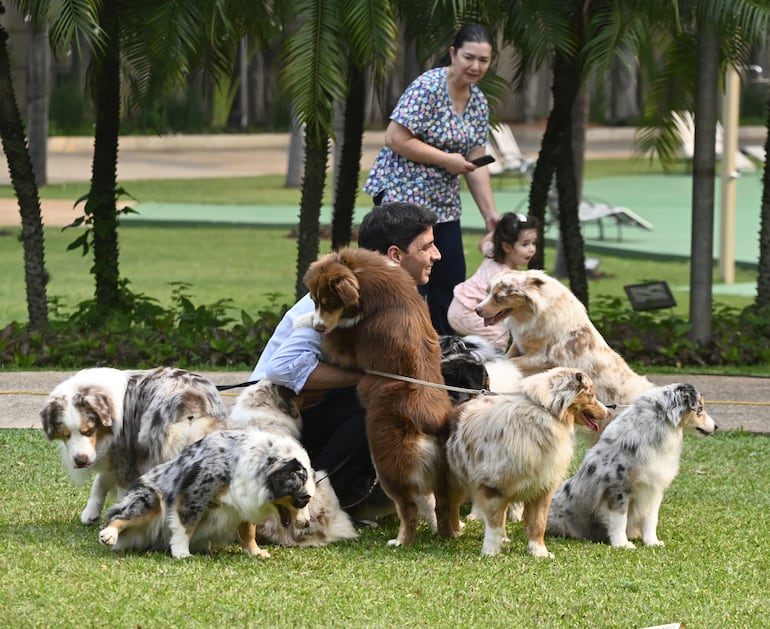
(533, 281)
(689, 395)
(347, 288)
(288, 478)
(95, 404)
(310, 278)
(49, 415)
(287, 401)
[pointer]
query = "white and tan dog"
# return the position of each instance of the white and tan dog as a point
(273, 408)
(219, 486)
(118, 424)
(616, 493)
(518, 447)
(551, 328)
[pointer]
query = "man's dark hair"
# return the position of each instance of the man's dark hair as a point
(394, 224)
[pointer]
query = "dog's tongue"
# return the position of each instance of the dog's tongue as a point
(285, 516)
(494, 319)
(589, 422)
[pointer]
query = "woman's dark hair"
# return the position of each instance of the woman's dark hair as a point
(474, 33)
(508, 229)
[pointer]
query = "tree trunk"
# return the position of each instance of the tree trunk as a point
(348, 167)
(578, 130)
(100, 206)
(542, 176)
(38, 88)
(542, 179)
(25, 188)
(316, 158)
(566, 85)
(703, 170)
(763, 277)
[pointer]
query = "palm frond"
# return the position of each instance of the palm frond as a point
(314, 67)
(69, 22)
(537, 29)
(373, 35)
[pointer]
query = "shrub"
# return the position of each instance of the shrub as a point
(143, 334)
(660, 338)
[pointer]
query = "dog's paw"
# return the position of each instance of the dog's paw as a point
(538, 550)
(627, 544)
(257, 552)
(108, 535)
(90, 516)
(394, 543)
(303, 321)
(490, 550)
(654, 542)
(179, 551)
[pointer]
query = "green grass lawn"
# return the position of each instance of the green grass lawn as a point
(715, 521)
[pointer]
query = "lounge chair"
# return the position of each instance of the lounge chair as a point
(509, 160)
(590, 211)
(685, 124)
(755, 152)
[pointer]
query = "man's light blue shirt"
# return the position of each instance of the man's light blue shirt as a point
(291, 354)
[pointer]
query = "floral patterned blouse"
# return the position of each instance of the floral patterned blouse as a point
(427, 111)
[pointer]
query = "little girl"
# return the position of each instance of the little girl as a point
(511, 245)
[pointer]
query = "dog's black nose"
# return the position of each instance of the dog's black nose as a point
(81, 460)
(301, 501)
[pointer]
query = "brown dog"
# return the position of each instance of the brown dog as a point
(373, 318)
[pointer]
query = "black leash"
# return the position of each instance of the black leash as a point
(339, 466)
(227, 387)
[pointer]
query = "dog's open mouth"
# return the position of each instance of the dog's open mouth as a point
(590, 421)
(497, 317)
(285, 515)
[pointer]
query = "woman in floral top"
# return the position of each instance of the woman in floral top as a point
(439, 124)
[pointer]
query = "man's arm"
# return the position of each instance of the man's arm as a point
(326, 376)
(298, 364)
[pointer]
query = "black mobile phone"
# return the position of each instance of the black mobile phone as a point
(482, 161)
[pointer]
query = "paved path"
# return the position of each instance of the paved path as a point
(734, 402)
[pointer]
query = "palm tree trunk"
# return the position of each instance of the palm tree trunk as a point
(101, 197)
(349, 165)
(316, 158)
(24, 185)
(542, 177)
(566, 85)
(703, 171)
(763, 277)
(38, 89)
